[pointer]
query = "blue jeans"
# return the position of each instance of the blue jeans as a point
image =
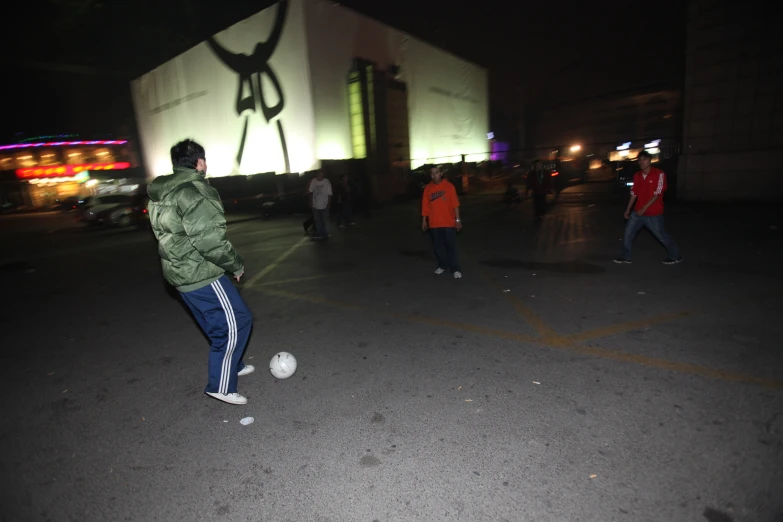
(445, 242)
(321, 218)
(223, 316)
(655, 225)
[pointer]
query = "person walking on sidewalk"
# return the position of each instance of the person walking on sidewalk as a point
(188, 221)
(646, 200)
(440, 215)
(320, 200)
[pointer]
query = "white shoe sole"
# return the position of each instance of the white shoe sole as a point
(227, 398)
(247, 370)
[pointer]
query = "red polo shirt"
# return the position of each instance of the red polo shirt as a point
(647, 187)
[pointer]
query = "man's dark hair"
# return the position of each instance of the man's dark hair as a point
(186, 154)
(644, 154)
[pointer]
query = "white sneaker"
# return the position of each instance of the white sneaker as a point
(249, 368)
(439, 271)
(457, 275)
(231, 398)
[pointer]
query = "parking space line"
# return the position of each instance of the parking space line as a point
(606, 331)
(311, 299)
(270, 231)
(565, 343)
(299, 279)
(674, 366)
(264, 247)
(274, 264)
(544, 330)
(431, 321)
(467, 327)
(525, 312)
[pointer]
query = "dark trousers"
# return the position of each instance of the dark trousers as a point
(539, 204)
(223, 316)
(346, 213)
(444, 240)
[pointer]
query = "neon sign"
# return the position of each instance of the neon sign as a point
(62, 144)
(58, 171)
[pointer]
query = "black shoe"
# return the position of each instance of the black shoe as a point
(620, 260)
(670, 261)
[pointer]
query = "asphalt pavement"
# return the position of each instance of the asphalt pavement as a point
(549, 384)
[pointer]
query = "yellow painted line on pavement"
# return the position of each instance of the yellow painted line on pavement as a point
(312, 299)
(431, 321)
(299, 279)
(564, 343)
(544, 330)
(466, 327)
(527, 313)
(674, 366)
(606, 331)
(274, 264)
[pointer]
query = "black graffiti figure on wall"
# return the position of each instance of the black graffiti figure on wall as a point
(250, 68)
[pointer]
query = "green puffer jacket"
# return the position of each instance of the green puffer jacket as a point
(187, 218)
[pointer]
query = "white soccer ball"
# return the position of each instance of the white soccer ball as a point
(282, 365)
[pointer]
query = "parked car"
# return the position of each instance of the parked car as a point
(67, 204)
(116, 210)
(141, 217)
(564, 174)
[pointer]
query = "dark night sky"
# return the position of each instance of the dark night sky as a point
(543, 53)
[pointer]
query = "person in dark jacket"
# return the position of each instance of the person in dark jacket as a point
(346, 194)
(188, 221)
(539, 182)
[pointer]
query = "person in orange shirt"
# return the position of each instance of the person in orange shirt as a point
(440, 215)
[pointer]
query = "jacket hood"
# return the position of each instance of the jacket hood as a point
(163, 185)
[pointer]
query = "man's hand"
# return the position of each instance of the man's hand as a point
(424, 225)
(239, 275)
(459, 226)
(627, 214)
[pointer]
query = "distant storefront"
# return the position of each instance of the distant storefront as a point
(41, 174)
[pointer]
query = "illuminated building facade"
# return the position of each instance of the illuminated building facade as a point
(307, 81)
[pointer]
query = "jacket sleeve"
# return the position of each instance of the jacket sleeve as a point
(453, 197)
(661, 186)
(205, 226)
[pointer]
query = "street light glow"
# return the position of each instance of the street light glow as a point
(576, 148)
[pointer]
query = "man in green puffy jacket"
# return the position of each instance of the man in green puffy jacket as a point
(187, 217)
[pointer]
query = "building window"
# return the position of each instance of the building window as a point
(371, 102)
(357, 116)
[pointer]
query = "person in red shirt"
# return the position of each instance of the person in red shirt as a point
(440, 215)
(649, 184)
